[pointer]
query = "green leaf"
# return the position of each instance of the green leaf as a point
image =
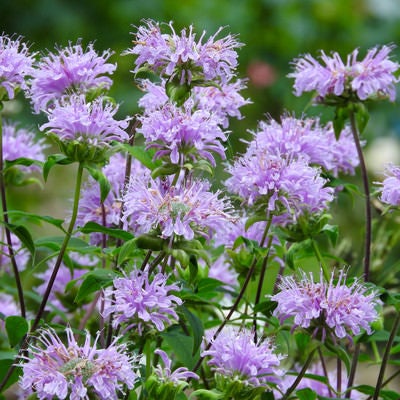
(181, 345)
(362, 117)
(91, 227)
(197, 328)
(339, 121)
(193, 268)
(16, 327)
(150, 242)
(27, 162)
(165, 170)
(145, 156)
(37, 219)
(126, 251)
(306, 394)
(7, 359)
(177, 92)
(332, 231)
(53, 160)
(97, 174)
(94, 281)
(341, 353)
(24, 236)
(383, 394)
(298, 251)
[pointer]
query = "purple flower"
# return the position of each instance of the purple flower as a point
(56, 370)
(91, 122)
(8, 307)
(370, 77)
(90, 207)
(140, 302)
(70, 70)
(222, 102)
(19, 142)
(390, 191)
(15, 65)
(21, 254)
(170, 54)
(154, 205)
(220, 269)
(306, 138)
(234, 354)
(327, 307)
(64, 276)
(165, 374)
(183, 135)
(288, 188)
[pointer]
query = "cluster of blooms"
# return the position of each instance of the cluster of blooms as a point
(390, 191)
(15, 65)
(327, 307)
(182, 210)
(76, 372)
(372, 76)
(140, 301)
(108, 213)
(234, 354)
(307, 139)
(289, 188)
(171, 54)
(69, 70)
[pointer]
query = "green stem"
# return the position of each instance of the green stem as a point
(300, 375)
(320, 259)
(386, 355)
(368, 214)
(63, 248)
(10, 247)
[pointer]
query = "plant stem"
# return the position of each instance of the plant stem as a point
(260, 285)
(300, 375)
(63, 248)
(250, 273)
(386, 355)
(368, 215)
(353, 369)
(11, 252)
(321, 260)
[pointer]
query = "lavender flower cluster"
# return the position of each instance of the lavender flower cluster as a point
(156, 262)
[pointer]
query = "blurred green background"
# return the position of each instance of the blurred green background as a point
(274, 33)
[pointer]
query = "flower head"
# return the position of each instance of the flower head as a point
(234, 354)
(390, 191)
(327, 307)
(165, 373)
(70, 70)
(15, 65)
(88, 126)
(306, 138)
(183, 56)
(289, 188)
(371, 77)
(140, 302)
(183, 135)
(56, 370)
(181, 210)
(21, 143)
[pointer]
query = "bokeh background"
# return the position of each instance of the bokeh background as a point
(274, 32)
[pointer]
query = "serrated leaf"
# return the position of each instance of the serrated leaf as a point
(97, 174)
(37, 219)
(94, 281)
(53, 160)
(197, 328)
(16, 328)
(91, 227)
